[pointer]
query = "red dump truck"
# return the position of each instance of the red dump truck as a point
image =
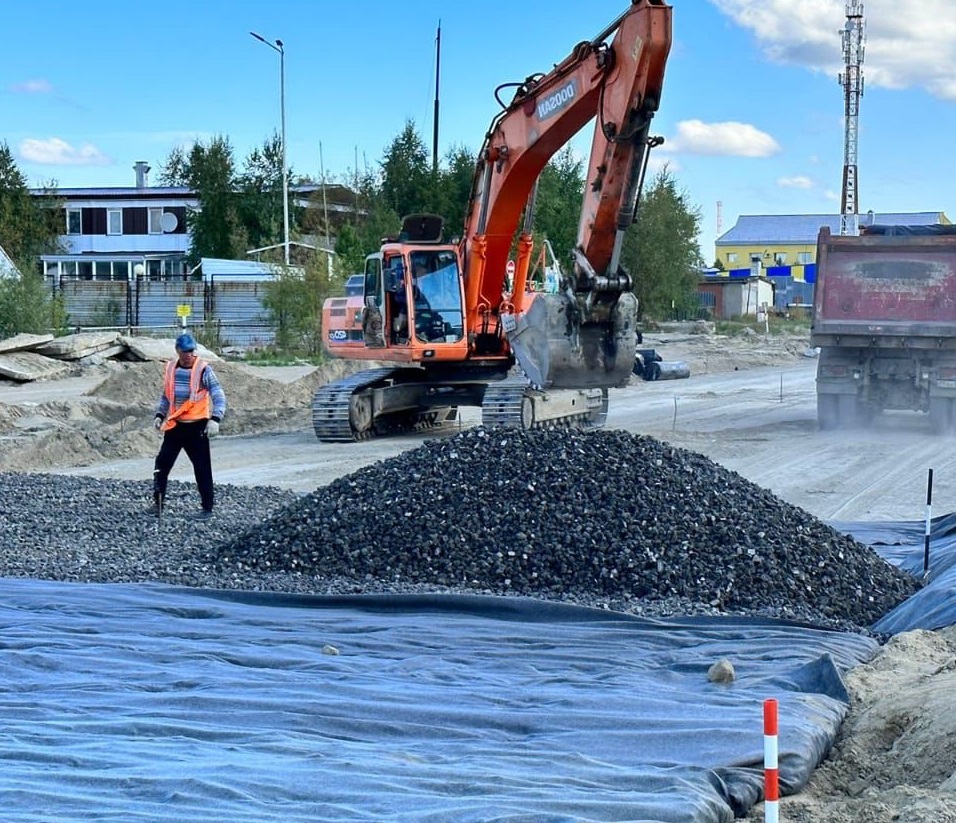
(884, 319)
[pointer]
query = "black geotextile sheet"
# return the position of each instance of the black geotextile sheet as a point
(903, 543)
(146, 702)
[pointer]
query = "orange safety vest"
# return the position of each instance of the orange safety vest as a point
(198, 406)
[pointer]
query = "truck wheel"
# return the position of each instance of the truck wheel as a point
(828, 415)
(864, 413)
(851, 412)
(941, 415)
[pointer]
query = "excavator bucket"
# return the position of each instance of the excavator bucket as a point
(559, 347)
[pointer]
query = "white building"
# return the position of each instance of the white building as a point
(109, 232)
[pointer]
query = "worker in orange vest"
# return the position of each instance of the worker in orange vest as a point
(188, 413)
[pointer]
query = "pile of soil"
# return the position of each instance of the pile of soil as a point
(114, 420)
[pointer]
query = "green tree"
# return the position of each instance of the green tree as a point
(260, 192)
(558, 203)
(406, 186)
(29, 227)
(349, 251)
(661, 249)
(215, 227)
(453, 188)
(174, 170)
(26, 305)
(294, 301)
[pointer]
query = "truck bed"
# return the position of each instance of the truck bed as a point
(885, 291)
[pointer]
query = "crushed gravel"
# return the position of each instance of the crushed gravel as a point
(599, 518)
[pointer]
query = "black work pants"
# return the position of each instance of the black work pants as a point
(190, 438)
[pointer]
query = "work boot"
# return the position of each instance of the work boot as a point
(156, 506)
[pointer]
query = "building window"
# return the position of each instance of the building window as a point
(731, 257)
(155, 221)
(804, 257)
(74, 221)
(780, 258)
(114, 221)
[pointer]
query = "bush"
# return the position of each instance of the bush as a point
(27, 306)
(294, 302)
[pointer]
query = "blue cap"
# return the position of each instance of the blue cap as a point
(185, 342)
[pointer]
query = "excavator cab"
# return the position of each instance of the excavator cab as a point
(437, 309)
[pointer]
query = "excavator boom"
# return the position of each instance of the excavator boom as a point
(585, 336)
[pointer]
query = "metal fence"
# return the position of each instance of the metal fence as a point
(231, 311)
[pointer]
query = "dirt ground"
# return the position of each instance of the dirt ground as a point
(749, 405)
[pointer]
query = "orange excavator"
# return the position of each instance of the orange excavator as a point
(455, 324)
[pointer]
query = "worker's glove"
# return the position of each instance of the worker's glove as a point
(157, 422)
(212, 428)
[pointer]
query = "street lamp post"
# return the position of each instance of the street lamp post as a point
(277, 46)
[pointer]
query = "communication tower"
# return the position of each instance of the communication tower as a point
(852, 81)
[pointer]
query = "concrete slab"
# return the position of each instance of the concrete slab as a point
(27, 365)
(24, 342)
(161, 349)
(99, 357)
(77, 346)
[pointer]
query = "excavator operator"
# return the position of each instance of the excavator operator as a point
(395, 287)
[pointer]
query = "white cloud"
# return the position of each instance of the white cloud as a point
(911, 44)
(829, 194)
(57, 152)
(32, 87)
(798, 181)
(727, 139)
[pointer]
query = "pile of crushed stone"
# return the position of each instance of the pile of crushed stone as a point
(601, 519)
(597, 517)
(84, 529)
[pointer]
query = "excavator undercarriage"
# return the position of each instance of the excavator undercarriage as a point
(390, 401)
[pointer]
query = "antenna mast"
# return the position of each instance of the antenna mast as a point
(852, 82)
(437, 76)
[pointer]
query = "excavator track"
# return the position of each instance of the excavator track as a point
(332, 406)
(341, 412)
(513, 402)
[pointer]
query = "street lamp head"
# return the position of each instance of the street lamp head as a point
(271, 45)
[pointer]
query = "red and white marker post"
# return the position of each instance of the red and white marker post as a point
(771, 781)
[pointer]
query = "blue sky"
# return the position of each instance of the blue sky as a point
(752, 113)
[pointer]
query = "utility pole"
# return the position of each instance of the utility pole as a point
(852, 82)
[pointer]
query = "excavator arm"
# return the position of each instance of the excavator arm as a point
(584, 337)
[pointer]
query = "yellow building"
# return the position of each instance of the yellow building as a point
(790, 240)
(783, 248)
